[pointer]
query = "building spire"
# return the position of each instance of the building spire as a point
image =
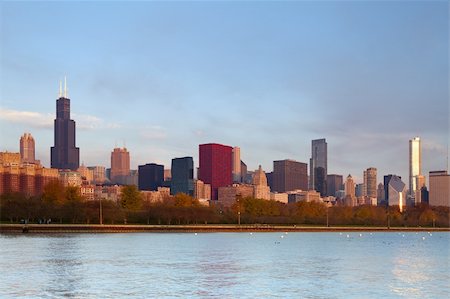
(65, 87)
(60, 89)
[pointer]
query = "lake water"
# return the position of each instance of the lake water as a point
(226, 265)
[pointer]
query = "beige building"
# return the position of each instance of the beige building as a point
(86, 173)
(370, 182)
(70, 178)
(281, 197)
(202, 191)
(300, 195)
(154, 196)
(236, 164)
(439, 188)
(261, 190)
(98, 174)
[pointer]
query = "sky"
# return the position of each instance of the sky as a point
(267, 76)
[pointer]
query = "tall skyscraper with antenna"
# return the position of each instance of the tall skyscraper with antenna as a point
(64, 154)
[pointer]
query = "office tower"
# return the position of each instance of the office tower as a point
(359, 190)
(380, 195)
(269, 177)
(334, 184)
(150, 177)
(370, 182)
(99, 174)
(215, 166)
(415, 166)
(420, 183)
(289, 175)
(182, 181)
(27, 154)
(64, 154)
(318, 166)
(439, 193)
(236, 160)
(350, 188)
(394, 191)
(243, 171)
(120, 166)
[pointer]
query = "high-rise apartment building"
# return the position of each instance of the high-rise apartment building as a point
(236, 160)
(27, 148)
(334, 184)
(289, 175)
(120, 166)
(150, 177)
(439, 194)
(370, 182)
(318, 166)
(215, 166)
(64, 154)
(182, 181)
(415, 167)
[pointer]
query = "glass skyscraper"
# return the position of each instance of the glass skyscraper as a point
(182, 176)
(318, 166)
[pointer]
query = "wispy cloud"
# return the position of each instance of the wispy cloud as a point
(45, 120)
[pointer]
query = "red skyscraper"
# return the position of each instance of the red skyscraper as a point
(215, 166)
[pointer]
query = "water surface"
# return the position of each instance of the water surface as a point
(226, 265)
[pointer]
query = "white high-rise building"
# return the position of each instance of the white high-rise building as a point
(415, 167)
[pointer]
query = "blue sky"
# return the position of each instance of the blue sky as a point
(163, 77)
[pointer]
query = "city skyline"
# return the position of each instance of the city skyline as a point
(355, 84)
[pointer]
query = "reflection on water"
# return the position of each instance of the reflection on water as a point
(225, 265)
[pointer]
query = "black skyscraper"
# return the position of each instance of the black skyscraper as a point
(64, 155)
(182, 176)
(151, 176)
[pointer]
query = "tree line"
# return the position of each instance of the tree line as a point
(66, 205)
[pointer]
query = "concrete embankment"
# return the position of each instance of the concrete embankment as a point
(95, 228)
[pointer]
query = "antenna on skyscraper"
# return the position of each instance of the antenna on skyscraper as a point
(65, 87)
(60, 89)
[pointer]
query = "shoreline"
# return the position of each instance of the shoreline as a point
(199, 228)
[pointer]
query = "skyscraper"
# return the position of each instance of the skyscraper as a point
(236, 160)
(370, 182)
(182, 176)
(415, 167)
(289, 175)
(151, 176)
(215, 166)
(439, 188)
(27, 148)
(120, 166)
(64, 154)
(334, 184)
(395, 191)
(318, 166)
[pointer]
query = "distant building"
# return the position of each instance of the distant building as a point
(334, 184)
(359, 190)
(236, 160)
(281, 197)
(120, 166)
(395, 191)
(243, 171)
(151, 176)
(370, 182)
(301, 195)
(227, 196)
(98, 173)
(182, 176)
(70, 178)
(215, 166)
(318, 166)
(350, 192)
(420, 183)
(167, 174)
(64, 154)
(86, 173)
(26, 178)
(415, 168)
(439, 193)
(27, 148)
(132, 178)
(380, 195)
(202, 191)
(156, 195)
(289, 175)
(261, 190)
